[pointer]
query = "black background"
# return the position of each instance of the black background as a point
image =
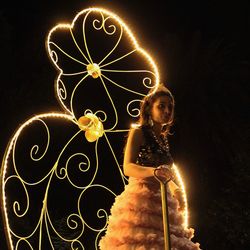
(202, 51)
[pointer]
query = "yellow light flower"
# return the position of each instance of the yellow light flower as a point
(92, 126)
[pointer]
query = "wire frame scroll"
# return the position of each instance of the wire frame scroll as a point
(54, 193)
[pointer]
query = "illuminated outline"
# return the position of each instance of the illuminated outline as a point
(62, 95)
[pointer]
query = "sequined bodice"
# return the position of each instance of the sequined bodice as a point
(153, 152)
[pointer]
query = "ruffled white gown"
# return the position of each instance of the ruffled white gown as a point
(135, 222)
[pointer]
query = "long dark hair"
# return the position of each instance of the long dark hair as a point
(147, 103)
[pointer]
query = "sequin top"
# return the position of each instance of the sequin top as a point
(153, 152)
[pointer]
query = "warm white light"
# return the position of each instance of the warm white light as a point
(180, 181)
(134, 125)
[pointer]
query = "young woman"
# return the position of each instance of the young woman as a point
(135, 222)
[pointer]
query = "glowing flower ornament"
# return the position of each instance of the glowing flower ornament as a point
(92, 126)
(94, 70)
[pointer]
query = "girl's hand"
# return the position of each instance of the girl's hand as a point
(179, 196)
(165, 172)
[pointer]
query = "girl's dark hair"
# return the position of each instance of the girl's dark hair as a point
(147, 103)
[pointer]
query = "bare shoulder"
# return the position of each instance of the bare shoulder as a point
(136, 134)
(136, 131)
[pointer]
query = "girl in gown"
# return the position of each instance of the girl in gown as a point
(136, 222)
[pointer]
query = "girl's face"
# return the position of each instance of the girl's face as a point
(161, 110)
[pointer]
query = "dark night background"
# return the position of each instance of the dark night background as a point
(203, 54)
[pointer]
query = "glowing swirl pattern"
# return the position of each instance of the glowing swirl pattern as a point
(125, 53)
(103, 75)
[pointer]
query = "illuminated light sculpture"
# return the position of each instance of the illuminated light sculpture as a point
(101, 89)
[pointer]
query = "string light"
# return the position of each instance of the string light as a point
(182, 186)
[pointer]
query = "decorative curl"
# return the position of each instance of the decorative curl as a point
(76, 244)
(62, 92)
(35, 149)
(102, 25)
(134, 112)
(147, 82)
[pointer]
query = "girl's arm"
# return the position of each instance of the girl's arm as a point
(135, 140)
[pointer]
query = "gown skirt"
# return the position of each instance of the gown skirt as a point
(135, 222)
